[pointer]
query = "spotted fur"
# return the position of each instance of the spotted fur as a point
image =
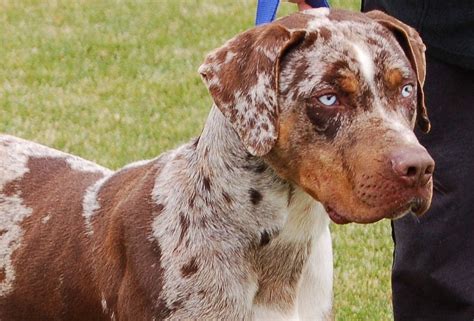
(232, 225)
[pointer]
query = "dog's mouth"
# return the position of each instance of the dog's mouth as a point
(416, 205)
(335, 216)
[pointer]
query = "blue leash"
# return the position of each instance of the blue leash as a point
(266, 9)
(318, 3)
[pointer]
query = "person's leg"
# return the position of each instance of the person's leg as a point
(433, 269)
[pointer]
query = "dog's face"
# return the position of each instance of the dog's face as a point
(330, 101)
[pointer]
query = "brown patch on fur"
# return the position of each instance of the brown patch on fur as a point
(260, 168)
(291, 192)
(349, 83)
(393, 79)
(344, 15)
(324, 120)
(264, 238)
(125, 247)
(157, 208)
(255, 196)
(189, 268)
(184, 223)
(163, 311)
(2, 275)
(227, 197)
(325, 33)
(191, 201)
(206, 183)
(298, 20)
(196, 142)
(335, 72)
(287, 127)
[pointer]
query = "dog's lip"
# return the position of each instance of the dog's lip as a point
(335, 216)
(415, 205)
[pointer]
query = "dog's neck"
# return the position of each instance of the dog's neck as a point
(220, 149)
(257, 193)
(217, 158)
(219, 142)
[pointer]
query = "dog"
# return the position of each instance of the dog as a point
(313, 120)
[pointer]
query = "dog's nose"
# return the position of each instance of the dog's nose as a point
(414, 166)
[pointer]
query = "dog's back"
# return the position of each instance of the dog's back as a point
(43, 251)
(71, 232)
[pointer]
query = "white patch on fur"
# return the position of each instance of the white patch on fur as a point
(264, 313)
(45, 219)
(270, 54)
(103, 302)
(13, 212)
(229, 56)
(307, 218)
(317, 279)
(366, 62)
(320, 18)
(90, 203)
(396, 122)
(138, 164)
(318, 12)
(23, 150)
(82, 165)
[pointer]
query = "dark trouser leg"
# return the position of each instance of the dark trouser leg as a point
(433, 270)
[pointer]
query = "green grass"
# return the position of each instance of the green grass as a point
(117, 81)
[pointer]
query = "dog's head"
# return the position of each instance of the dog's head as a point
(330, 99)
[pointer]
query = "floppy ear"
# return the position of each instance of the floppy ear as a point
(414, 48)
(242, 77)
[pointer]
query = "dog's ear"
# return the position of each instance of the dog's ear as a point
(414, 48)
(242, 77)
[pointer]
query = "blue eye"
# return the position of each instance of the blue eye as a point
(407, 90)
(328, 100)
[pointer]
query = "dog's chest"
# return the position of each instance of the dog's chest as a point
(280, 268)
(283, 263)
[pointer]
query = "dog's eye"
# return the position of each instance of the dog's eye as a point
(328, 100)
(407, 90)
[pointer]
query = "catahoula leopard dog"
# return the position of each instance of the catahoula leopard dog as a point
(313, 120)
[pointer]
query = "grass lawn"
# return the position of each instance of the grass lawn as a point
(117, 81)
